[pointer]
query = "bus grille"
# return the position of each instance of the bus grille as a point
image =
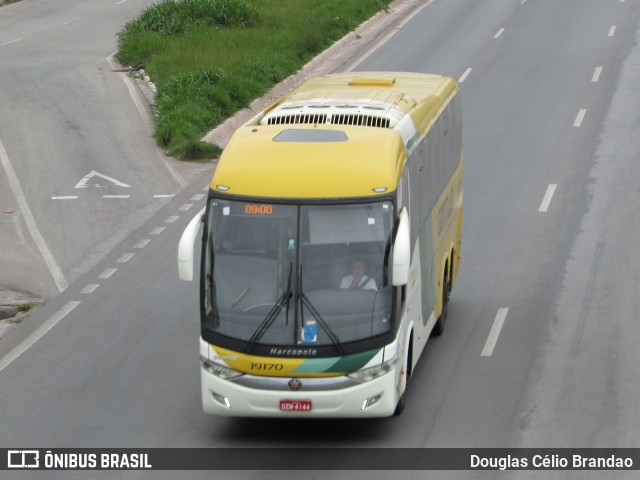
(297, 119)
(346, 119)
(362, 120)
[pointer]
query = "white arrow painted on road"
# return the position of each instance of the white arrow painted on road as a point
(83, 183)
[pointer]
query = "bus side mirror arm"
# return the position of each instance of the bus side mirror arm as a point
(186, 246)
(401, 251)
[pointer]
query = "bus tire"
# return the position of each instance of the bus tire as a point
(438, 328)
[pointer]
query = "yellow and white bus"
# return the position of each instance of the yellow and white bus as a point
(351, 172)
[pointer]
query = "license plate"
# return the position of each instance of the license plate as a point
(295, 405)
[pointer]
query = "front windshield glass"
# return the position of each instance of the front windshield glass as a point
(297, 274)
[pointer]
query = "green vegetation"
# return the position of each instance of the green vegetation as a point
(24, 307)
(211, 58)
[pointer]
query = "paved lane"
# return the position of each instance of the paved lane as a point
(66, 115)
(528, 72)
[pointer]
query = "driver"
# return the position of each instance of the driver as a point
(358, 278)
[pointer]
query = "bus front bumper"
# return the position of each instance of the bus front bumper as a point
(375, 398)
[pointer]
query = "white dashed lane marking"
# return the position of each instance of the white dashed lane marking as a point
(125, 258)
(107, 273)
(546, 201)
(487, 351)
(596, 74)
(90, 288)
(580, 117)
(465, 75)
(142, 243)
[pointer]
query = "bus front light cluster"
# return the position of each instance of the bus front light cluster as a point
(218, 370)
(369, 402)
(372, 373)
(224, 401)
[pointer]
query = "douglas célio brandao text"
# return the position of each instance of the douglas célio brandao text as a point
(550, 462)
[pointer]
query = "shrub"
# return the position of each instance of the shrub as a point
(211, 58)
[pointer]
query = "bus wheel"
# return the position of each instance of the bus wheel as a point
(438, 328)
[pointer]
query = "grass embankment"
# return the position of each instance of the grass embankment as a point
(211, 58)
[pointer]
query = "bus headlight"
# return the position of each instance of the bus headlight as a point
(218, 370)
(372, 373)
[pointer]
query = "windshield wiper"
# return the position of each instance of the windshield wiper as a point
(332, 336)
(272, 315)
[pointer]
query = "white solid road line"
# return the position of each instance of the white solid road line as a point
(487, 351)
(139, 103)
(546, 201)
(30, 221)
(11, 41)
(36, 335)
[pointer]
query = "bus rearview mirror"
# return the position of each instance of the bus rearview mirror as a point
(186, 246)
(401, 251)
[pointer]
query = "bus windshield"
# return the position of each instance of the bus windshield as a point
(292, 275)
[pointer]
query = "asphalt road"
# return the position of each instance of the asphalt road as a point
(74, 140)
(549, 272)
